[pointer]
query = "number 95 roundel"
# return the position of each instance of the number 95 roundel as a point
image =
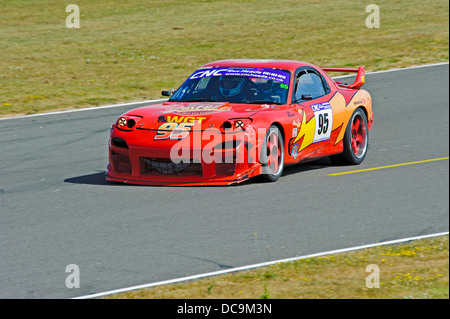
(324, 121)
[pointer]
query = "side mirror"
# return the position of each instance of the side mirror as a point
(168, 93)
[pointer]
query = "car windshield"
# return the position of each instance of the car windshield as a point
(235, 85)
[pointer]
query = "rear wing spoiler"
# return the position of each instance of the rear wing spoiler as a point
(360, 76)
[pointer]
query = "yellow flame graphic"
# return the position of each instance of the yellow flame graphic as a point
(306, 130)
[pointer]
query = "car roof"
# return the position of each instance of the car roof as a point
(258, 63)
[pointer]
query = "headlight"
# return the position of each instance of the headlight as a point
(236, 125)
(128, 122)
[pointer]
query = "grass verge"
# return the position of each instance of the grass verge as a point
(415, 270)
(130, 51)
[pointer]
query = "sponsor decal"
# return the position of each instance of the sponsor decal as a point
(263, 73)
(294, 151)
(360, 102)
(196, 109)
(289, 114)
(321, 106)
(297, 125)
(185, 119)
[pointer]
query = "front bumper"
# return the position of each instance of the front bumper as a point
(222, 159)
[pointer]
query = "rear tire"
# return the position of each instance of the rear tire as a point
(272, 155)
(356, 140)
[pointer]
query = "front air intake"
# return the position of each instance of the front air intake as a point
(119, 142)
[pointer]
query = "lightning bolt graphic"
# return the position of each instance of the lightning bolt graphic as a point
(306, 131)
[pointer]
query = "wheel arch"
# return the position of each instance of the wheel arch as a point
(281, 128)
(363, 107)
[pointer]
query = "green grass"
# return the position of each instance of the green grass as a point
(415, 270)
(130, 51)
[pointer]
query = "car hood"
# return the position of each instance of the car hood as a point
(209, 114)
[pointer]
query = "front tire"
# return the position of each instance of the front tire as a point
(356, 140)
(272, 155)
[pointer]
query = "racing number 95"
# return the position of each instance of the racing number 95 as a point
(323, 123)
(173, 131)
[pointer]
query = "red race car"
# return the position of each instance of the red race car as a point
(232, 120)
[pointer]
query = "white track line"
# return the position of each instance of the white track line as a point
(409, 68)
(400, 69)
(227, 271)
(160, 100)
(83, 109)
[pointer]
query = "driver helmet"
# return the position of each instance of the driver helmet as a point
(231, 85)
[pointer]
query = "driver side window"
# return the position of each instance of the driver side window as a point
(309, 86)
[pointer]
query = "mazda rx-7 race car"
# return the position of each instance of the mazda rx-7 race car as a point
(232, 120)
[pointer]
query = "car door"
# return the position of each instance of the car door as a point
(312, 96)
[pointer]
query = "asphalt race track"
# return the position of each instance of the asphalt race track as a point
(56, 208)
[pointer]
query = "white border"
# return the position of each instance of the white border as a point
(227, 271)
(160, 100)
(216, 273)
